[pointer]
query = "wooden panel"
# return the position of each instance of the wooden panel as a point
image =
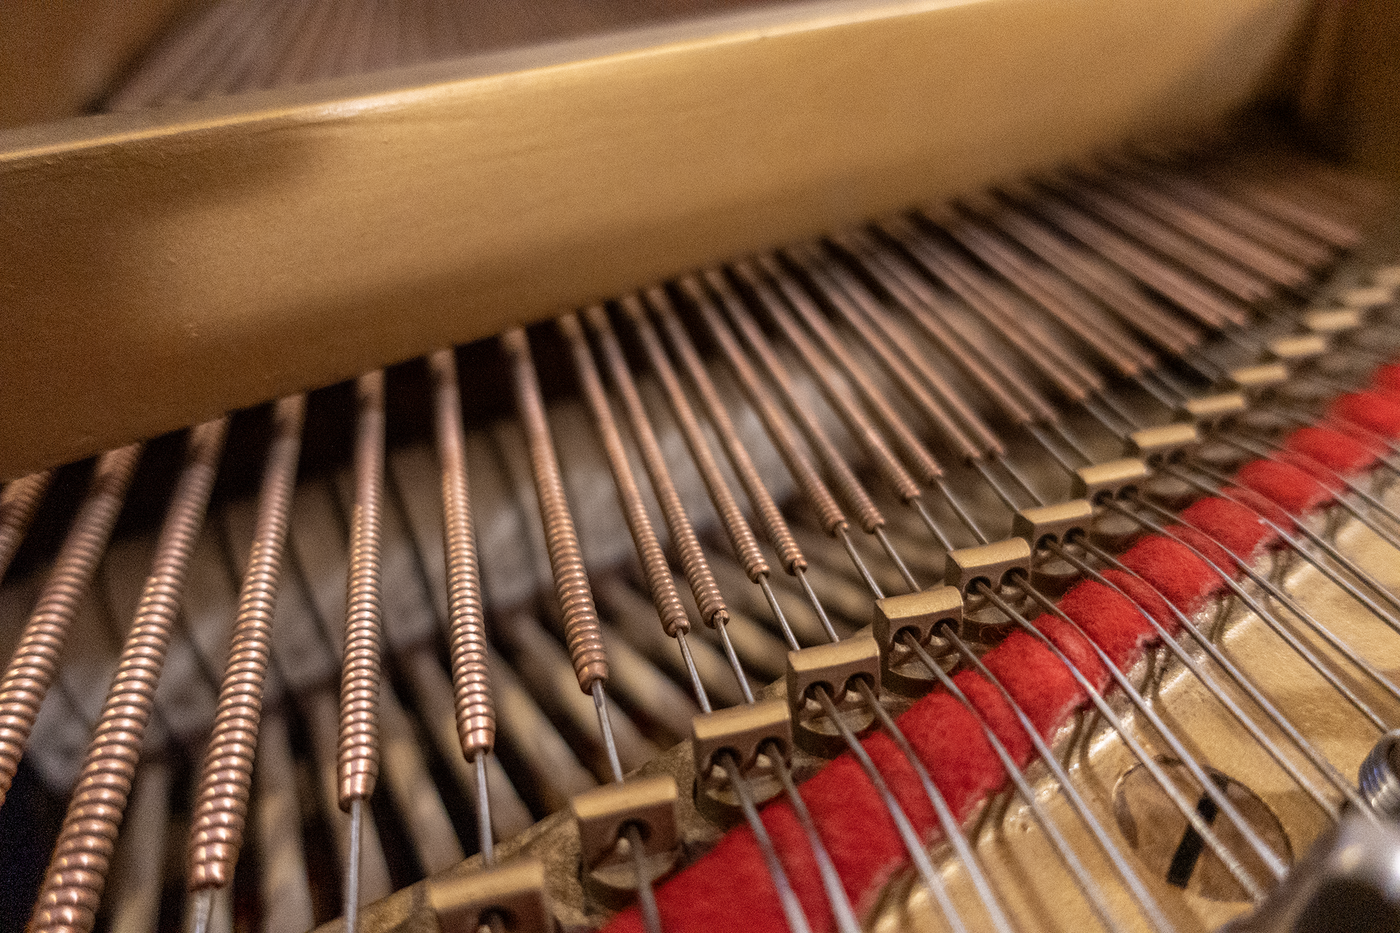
(159, 268)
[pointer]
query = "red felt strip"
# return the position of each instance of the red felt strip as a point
(1265, 507)
(1235, 526)
(954, 749)
(1171, 567)
(1332, 449)
(858, 831)
(997, 712)
(1374, 411)
(1108, 618)
(1074, 646)
(1387, 377)
(1043, 687)
(730, 888)
(1283, 483)
(706, 895)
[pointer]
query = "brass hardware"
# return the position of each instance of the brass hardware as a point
(920, 613)
(1255, 380)
(988, 562)
(603, 816)
(1048, 523)
(831, 667)
(1302, 347)
(1033, 867)
(746, 732)
(1366, 298)
(1386, 277)
(1156, 444)
(1332, 320)
(603, 812)
(742, 730)
(1109, 479)
(513, 891)
(1052, 521)
(1211, 410)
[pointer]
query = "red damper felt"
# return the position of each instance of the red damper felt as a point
(859, 833)
(1387, 377)
(1285, 484)
(798, 861)
(1074, 646)
(1042, 685)
(1210, 549)
(1332, 449)
(707, 895)
(1235, 526)
(1147, 599)
(996, 712)
(1177, 573)
(730, 887)
(1375, 411)
(1110, 619)
(1264, 506)
(950, 742)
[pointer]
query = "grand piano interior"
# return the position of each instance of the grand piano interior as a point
(630, 465)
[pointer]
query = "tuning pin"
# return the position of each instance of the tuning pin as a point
(1347, 881)
(1380, 776)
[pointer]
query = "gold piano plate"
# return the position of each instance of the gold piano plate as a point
(162, 267)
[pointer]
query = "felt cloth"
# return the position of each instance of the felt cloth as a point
(1288, 486)
(730, 888)
(1377, 411)
(1387, 377)
(1334, 450)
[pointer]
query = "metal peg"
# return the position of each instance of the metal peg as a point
(989, 563)
(831, 668)
(1380, 776)
(747, 733)
(604, 814)
(1349, 880)
(920, 614)
(513, 892)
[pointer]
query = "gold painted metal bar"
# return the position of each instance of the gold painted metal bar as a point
(164, 266)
